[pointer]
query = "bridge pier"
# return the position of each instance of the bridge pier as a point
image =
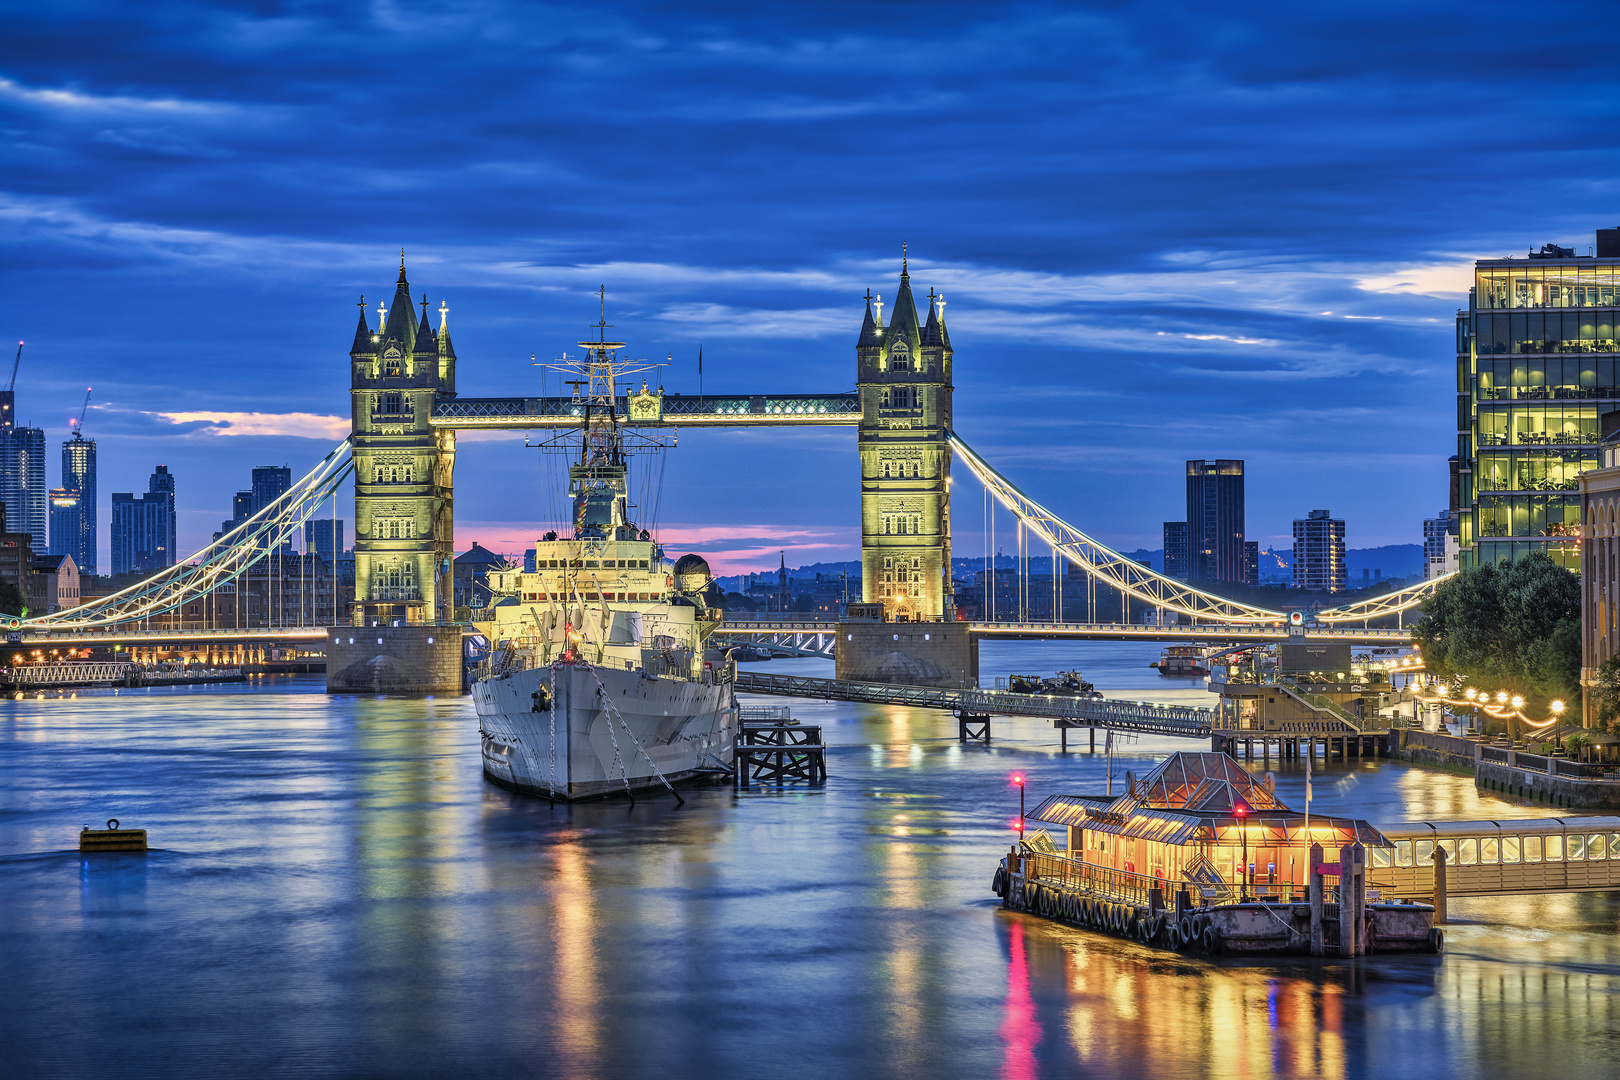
(419, 659)
(972, 728)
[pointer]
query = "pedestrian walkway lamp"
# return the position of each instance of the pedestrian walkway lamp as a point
(1557, 708)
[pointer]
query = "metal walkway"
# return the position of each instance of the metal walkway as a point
(1138, 716)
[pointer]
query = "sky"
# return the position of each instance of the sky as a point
(1164, 231)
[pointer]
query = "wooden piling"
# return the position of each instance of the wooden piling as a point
(1318, 945)
(1439, 885)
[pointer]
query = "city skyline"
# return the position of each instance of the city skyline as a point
(1236, 300)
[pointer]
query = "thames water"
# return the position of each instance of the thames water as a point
(335, 891)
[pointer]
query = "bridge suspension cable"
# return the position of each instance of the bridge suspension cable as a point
(219, 563)
(1142, 583)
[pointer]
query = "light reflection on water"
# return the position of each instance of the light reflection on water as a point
(338, 892)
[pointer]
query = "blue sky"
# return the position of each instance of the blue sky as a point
(1165, 231)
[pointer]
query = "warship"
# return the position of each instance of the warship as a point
(598, 681)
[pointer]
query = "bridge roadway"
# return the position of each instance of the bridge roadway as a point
(814, 637)
(1145, 717)
(255, 635)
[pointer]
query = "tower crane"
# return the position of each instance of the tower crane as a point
(79, 427)
(14, 366)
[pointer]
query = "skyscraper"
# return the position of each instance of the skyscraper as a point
(73, 505)
(1319, 552)
(143, 537)
(1251, 562)
(1215, 520)
(324, 536)
(22, 473)
(1175, 550)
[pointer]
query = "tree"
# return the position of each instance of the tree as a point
(1604, 697)
(1514, 627)
(12, 602)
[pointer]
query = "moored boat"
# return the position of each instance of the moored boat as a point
(1183, 662)
(599, 681)
(1201, 855)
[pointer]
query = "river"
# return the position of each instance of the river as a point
(334, 891)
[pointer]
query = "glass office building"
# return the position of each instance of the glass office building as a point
(1536, 371)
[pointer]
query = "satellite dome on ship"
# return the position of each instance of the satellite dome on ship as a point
(692, 574)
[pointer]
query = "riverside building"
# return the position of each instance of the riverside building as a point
(1319, 552)
(1536, 368)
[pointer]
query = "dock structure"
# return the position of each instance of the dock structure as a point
(975, 706)
(773, 748)
(1310, 695)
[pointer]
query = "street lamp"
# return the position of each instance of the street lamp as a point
(1501, 697)
(1557, 708)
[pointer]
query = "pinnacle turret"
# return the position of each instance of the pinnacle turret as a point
(904, 325)
(425, 341)
(362, 335)
(871, 328)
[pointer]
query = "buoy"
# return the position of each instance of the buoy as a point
(112, 838)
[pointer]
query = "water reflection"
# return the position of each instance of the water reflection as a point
(342, 894)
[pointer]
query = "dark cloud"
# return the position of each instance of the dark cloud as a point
(1166, 230)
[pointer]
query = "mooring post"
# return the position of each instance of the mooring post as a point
(1063, 733)
(1093, 738)
(1314, 890)
(1352, 898)
(1439, 885)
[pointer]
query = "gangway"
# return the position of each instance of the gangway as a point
(1144, 717)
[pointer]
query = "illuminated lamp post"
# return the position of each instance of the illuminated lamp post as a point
(1241, 811)
(1018, 782)
(1557, 708)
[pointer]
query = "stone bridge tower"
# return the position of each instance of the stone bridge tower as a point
(904, 380)
(404, 529)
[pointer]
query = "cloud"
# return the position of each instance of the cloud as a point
(296, 425)
(75, 101)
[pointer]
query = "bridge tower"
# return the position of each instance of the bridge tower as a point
(404, 529)
(904, 380)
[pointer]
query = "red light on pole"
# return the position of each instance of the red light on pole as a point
(1018, 782)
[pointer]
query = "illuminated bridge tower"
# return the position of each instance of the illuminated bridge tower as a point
(905, 390)
(404, 530)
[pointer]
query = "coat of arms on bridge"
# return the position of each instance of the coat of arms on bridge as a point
(646, 406)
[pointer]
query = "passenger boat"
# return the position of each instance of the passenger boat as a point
(1183, 661)
(1063, 684)
(599, 681)
(1200, 854)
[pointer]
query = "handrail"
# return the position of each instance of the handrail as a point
(1141, 716)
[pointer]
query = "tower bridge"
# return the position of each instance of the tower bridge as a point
(405, 415)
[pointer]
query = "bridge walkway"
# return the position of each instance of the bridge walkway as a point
(1498, 858)
(1143, 717)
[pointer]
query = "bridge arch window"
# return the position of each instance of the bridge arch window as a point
(407, 473)
(391, 404)
(900, 357)
(379, 476)
(391, 367)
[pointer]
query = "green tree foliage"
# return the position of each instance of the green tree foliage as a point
(12, 602)
(1514, 627)
(1604, 696)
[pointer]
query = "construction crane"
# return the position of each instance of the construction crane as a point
(79, 427)
(14, 366)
